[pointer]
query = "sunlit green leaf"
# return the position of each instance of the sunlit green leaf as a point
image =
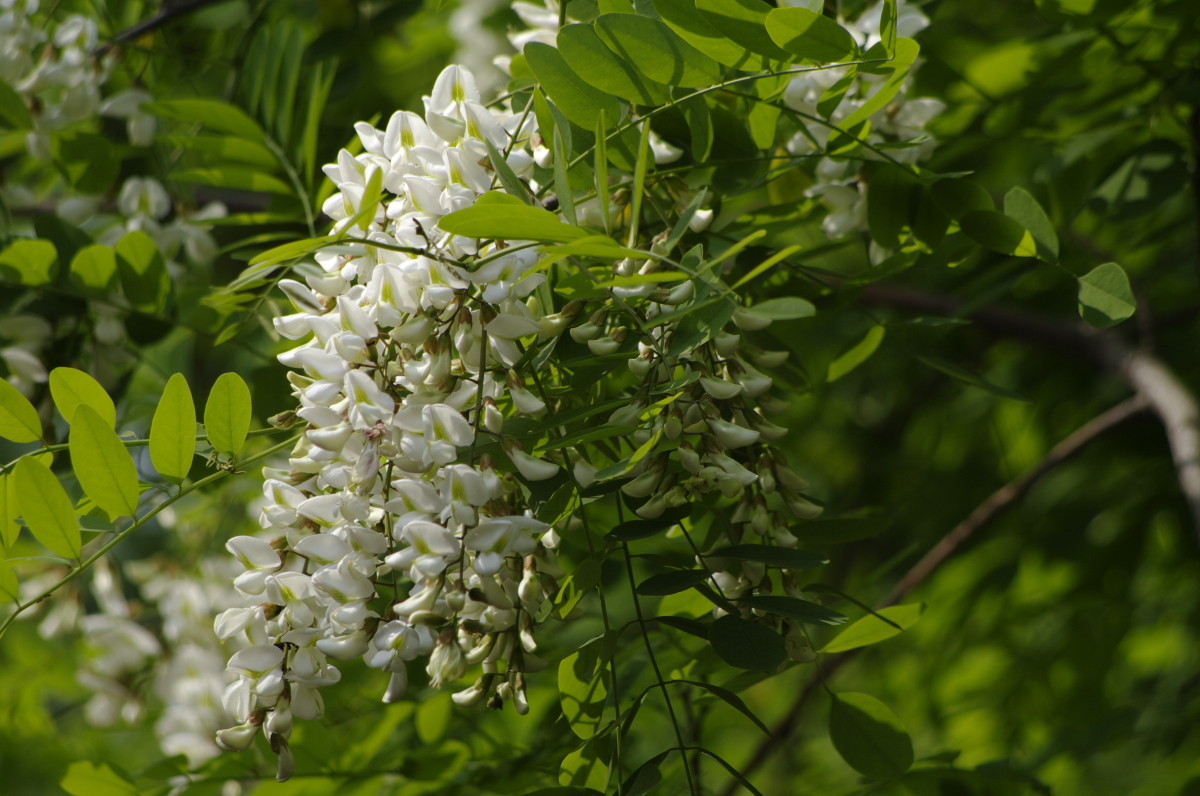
(871, 629)
(859, 353)
(579, 100)
(784, 308)
(1020, 206)
(593, 61)
(9, 511)
(745, 22)
(19, 421)
(10, 589)
(173, 430)
(227, 414)
(696, 30)
(102, 463)
(582, 690)
(71, 388)
(88, 779)
(32, 262)
(213, 114)
(46, 507)
(94, 267)
(811, 36)
(656, 51)
(503, 217)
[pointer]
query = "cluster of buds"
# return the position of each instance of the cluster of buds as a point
(389, 537)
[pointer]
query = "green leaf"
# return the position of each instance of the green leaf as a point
(508, 178)
(32, 262)
(94, 268)
(213, 114)
(46, 507)
(858, 354)
(898, 68)
(19, 421)
(785, 308)
(810, 36)
(891, 196)
(272, 257)
(869, 736)
(13, 108)
(642, 529)
(227, 149)
(88, 779)
(1021, 207)
(89, 160)
(999, 233)
(745, 22)
(696, 30)
(833, 96)
(699, 122)
(579, 100)
(585, 768)
(235, 177)
(227, 414)
(143, 274)
(10, 589)
(746, 645)
(795, 608)
(671, 582)
(731, 699)
(173, 430)
(102, 464)
(502, 217)
(656, 51)
(1105, 296)
(871, 629)
(71, 388)
(784, 557)
(582, 692)
(967, 377)
(838, 531)
(589, 58)
(956, 198)
(9, 511)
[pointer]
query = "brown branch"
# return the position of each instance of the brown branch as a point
(170, 12)
(981, 517)
(1147, 375)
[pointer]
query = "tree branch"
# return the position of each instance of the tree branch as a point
(1147, 375)
(982, 516)
(169, 12)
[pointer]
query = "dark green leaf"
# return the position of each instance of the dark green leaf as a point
(771, 555)
(698, 629)
(671, 582)
(589, 58)
(143, 274)
(731, 699)
(642, 529)
(838, 531)
(13, 109)
(810, 36)
(1105, 296)
(656, 51)
(746, 645)
(90, 161)
(956, 198)
(795, 608)
(578, 99)
(966, 376)
(582, 690)
(869, 736)
(1021, 207)
(891, 197)
(999, 233)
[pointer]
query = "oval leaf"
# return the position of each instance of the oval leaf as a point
(783, 309)
(582, 691)
(858, 354)
(810, 36)
(1105, 297)
(227, 414)
(19, 421)
(869, 736)
(795, 608)
(71, 388)
(1021, 207)
(579, 100)
(772, 556)
(173, 430)
(671, 582)
(871, 629)
(657, 51)
(746, 645)
(10, 590)
(46, 507)
(743, 21)
(503, 217)
(588, 56)
(999, 233)
(102, 464)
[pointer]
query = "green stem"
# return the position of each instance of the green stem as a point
(120, 537)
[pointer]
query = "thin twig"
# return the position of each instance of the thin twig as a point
(169, 13)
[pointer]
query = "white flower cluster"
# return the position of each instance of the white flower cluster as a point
(902, 120)
(384, 539)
